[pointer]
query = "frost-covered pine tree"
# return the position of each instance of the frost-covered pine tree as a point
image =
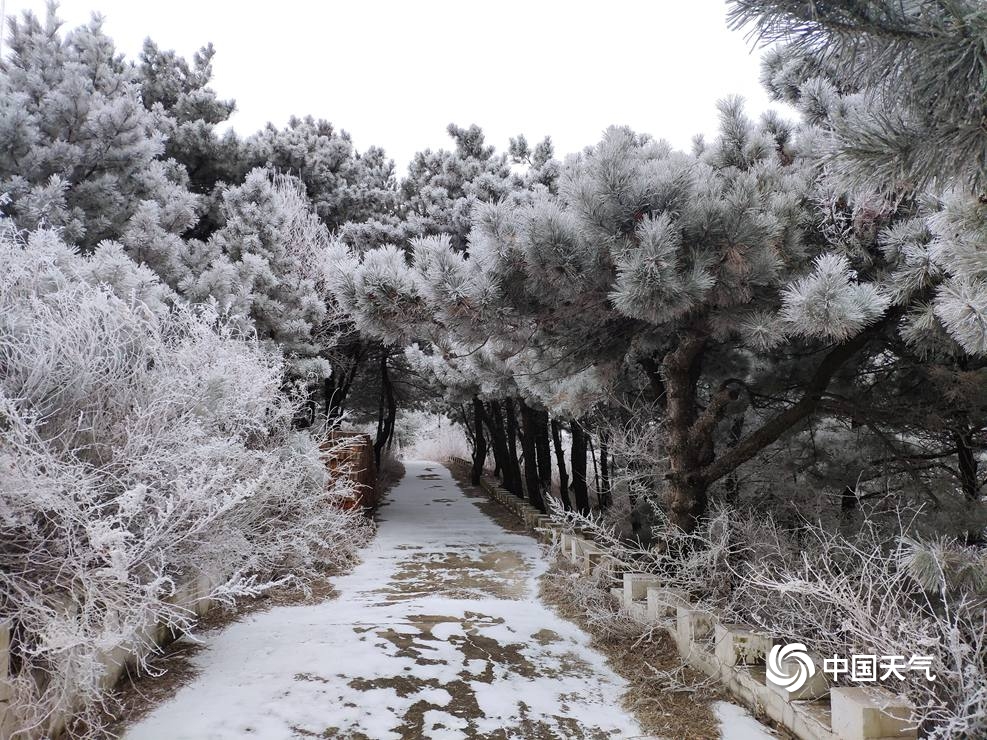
(344, 185)
(78, 149)
(895, 91)
(443, 186)
(435, 201)
(892, 96)
(688, 267)
(916, 71)
(188, 111)
(268, 265)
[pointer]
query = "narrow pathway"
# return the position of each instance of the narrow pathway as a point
(437, 634)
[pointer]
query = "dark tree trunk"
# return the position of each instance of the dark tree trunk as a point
(687, 488)
(848, 501)
(468, 420)
(560, 462)
(580, 490)
(479, 442)
(335, 389)
(529, 422)
(606, 494)
(967, 459)
(596, 469)
(498, 439)
(503, 448)
(732, 483)
(510, 417)
(386, 411)
(543, 451)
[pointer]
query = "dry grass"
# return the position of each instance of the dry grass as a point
(667, 699)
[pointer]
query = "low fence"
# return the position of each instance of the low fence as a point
(732, 653)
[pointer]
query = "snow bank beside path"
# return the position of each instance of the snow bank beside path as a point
(738, 724)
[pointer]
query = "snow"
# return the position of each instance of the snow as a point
(437, 633)
(737, 723)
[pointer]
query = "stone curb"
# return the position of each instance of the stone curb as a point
(732, 653)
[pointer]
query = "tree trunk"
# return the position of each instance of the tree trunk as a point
(606, 495)
(732, 483)
(848, 501)
(560, 461)
(543, 451)
(468, 421)
(578, 461)
(596, 469)
(967, 459)
(499, 436)
(336, 388)
(479, 442)
(529, 421)
(510, 417)
(386, 411)
(504, 439)
(686, 486)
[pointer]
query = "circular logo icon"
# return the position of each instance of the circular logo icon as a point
(790, 666)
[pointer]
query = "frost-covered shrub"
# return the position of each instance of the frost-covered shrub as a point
(143, 443)
(876, 590)
(427, 436)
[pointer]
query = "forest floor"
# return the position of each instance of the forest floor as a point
(439, 633)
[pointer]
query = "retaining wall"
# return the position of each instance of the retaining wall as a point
(732, 653)
(192, 596)
(351, 454)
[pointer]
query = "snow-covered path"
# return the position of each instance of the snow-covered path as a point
(437, 634)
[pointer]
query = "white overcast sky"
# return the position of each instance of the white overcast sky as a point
(394, 73)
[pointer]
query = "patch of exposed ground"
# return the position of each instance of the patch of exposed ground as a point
(456, 574)
(663, 710)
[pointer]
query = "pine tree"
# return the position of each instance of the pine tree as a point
(189, 111)
(268, 265)
(916, 70)
(894, 94)
(685, 264)
(78, 149)
(343, 184)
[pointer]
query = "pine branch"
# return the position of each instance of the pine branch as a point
(774, 428)
(704, 426)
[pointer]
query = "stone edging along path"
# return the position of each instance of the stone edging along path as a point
(734, 654)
